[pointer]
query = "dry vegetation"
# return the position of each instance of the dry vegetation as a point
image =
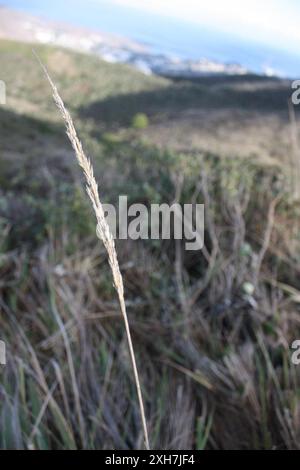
(212, 329)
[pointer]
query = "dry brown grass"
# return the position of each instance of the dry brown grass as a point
(217, 377)
(104, 233)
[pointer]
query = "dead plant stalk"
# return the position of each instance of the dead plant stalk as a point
(103, 231)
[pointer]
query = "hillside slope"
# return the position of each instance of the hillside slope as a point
(245, 116)
(212, 329)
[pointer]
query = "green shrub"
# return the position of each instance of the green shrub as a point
(110, 138)
(140, 121)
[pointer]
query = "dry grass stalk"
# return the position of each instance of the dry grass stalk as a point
(103, 231)
(295, 164)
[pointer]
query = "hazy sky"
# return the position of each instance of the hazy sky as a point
(272, 22)
(258, 34)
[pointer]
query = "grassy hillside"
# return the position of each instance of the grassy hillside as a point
(245, 116)
(212, 329)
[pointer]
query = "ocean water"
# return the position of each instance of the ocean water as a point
(163, 35)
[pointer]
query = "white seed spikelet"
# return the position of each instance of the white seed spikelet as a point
(103, 230)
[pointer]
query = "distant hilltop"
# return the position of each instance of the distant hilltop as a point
(23, 27)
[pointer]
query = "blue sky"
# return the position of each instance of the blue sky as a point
(259, 34)
(272, 22)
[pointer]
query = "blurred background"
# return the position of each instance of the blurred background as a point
(186, 101)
